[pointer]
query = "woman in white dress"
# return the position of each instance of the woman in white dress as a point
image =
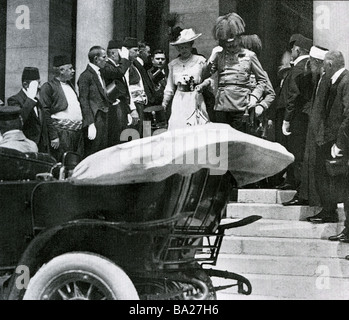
(184, 84)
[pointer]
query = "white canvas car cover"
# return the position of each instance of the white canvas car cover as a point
(214, 146)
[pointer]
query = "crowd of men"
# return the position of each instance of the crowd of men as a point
(113, 91)
(310, 112)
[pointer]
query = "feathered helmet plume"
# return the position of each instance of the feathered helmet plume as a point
(252, 42)
(228, 27)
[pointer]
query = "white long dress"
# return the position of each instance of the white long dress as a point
(184, 103)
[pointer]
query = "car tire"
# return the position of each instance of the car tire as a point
(80, 276)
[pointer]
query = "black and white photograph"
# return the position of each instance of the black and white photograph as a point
(174, 150)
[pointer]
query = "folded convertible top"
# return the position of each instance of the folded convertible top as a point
(217, 147)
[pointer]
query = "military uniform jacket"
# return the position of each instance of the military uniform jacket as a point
(234, 72)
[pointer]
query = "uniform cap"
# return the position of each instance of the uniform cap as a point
(9, 113)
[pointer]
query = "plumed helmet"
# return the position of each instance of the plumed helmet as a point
(228, 27)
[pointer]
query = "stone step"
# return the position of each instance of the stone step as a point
(292, 287)
(275, 211)
(284, 247)
(275, 265)
(285, 229)
(270, 196)
(223, 296)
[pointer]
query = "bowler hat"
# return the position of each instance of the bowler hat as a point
(30, 74)
(130, 42)
(115, 44)
(59, 61)
(9, 113)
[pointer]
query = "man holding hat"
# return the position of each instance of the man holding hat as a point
(296, 97)
(60, 100)
(140, 85)
(37, 124)
(11, 125)
(123, 110)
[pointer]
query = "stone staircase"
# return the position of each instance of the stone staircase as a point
(284, 256)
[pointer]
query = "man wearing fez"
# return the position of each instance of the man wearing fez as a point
(123, 110)
(37, 124)
(94, 102)
(11, 125)
(60, 100)
(296, 96)
(140, 85)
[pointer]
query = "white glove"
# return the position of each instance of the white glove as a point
(92, 132)
(32, 90)
(214, 53)
(135, 115)
(286, 128)
(253, 102)
(336, 152)
(259, 110)
(124, 53)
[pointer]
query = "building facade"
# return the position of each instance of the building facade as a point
(34, 31)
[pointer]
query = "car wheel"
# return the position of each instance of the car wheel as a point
(80, 276)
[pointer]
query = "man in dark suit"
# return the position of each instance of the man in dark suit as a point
(332, 142)
(296, 95)
(140, 85)
(94, 102)
(37, 125)
(123, 106)
(60, 100)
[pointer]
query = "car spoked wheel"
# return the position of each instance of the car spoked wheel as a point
(80, 276)
(78, 286)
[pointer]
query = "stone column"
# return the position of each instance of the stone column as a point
(27, 38)
(94, 27)
(331, 29)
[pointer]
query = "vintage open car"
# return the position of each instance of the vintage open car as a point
(145, 228)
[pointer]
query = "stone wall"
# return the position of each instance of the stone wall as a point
(26, 46)
(201, 16)
(331, 27)
(62, 30)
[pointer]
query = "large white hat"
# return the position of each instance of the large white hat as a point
(318, 53)
(186, 35)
